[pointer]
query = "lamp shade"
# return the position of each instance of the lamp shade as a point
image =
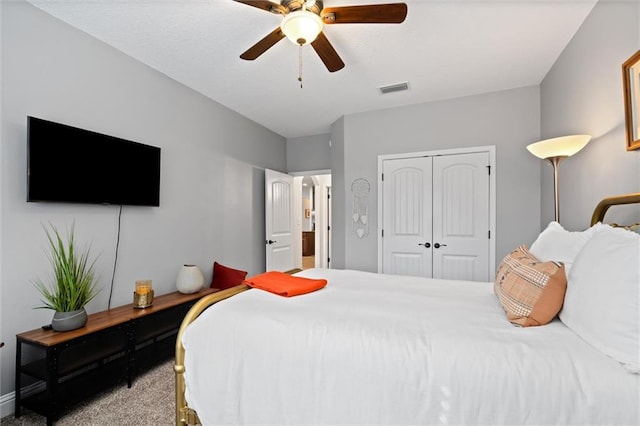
(564, 146)
(301, 27)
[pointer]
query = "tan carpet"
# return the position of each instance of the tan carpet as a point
(150, 401)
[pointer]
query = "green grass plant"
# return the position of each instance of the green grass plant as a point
(73, 284)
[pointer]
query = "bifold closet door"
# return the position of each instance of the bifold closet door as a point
(407, 217)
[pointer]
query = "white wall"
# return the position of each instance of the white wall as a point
(508, 119)
(297, 222)
(582, 93)
(306, 203)
(212, 183)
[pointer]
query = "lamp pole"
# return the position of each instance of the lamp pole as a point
(555, 162)
(555, 151)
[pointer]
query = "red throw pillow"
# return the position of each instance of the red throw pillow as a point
(225, 277)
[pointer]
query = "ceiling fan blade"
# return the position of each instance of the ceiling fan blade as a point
(327, 53)
(263, 45)
(265, 5)
(391, 13)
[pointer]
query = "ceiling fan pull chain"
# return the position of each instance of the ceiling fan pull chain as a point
(300, 66)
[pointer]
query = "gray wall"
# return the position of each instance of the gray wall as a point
(213, 160)
(308, 153)
(338, 194)
(583, 94)
(508, 119)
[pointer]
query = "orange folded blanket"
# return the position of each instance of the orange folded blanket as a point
(284, 284)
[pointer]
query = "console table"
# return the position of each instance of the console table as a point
(110, 348)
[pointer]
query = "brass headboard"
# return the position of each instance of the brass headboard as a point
(603, 206)
(184, 414)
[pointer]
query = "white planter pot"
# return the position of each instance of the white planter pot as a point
(190, 279)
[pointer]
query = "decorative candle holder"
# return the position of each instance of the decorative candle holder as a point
(143, 295)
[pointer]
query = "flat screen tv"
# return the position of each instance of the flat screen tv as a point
(72, 165)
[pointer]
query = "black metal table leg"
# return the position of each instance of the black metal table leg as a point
(18, 381)
(131, 345)
(52, 384)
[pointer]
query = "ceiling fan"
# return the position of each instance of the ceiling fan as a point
(303, 20)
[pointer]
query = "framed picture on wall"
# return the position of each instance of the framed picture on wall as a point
(631, 88)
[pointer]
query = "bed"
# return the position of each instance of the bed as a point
(377, 349)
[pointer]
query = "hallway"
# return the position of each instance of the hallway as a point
(308, 262)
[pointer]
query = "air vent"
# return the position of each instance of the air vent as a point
(394, 88)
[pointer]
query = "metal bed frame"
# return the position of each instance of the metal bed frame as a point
(187, 416)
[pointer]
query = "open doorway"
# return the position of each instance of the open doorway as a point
(308, 223)
(312, 221)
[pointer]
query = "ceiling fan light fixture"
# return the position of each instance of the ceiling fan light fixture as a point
(301, 27)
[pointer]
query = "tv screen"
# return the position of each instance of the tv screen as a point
(67, 164)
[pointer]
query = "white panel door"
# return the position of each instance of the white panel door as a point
(279, 221)
(461, 217)
(407, 217)
(436, 216)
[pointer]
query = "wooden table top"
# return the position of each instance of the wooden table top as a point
(110, 318)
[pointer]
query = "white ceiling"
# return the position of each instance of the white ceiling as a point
(444, 49)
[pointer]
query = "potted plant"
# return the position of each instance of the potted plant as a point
(73, 284)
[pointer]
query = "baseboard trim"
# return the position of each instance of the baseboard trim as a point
(7, 404)
(7, 401)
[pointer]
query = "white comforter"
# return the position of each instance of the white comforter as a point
(378, 349)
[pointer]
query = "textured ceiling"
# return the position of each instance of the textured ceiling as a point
(444, 49)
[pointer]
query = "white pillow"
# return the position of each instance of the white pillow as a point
(556, 244)
(602, 303)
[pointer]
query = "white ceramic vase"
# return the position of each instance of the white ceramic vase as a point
(190, 279)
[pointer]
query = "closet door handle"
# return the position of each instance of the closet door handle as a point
(438, 245)
(426, 245)
(270, 242)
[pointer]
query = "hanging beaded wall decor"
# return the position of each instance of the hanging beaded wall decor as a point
(360, 189)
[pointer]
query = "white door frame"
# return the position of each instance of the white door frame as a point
(491, 149)
(322, 249)
(328, 239)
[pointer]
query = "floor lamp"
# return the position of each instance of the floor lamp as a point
(554, 151)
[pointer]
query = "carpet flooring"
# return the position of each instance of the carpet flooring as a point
(150, 401)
